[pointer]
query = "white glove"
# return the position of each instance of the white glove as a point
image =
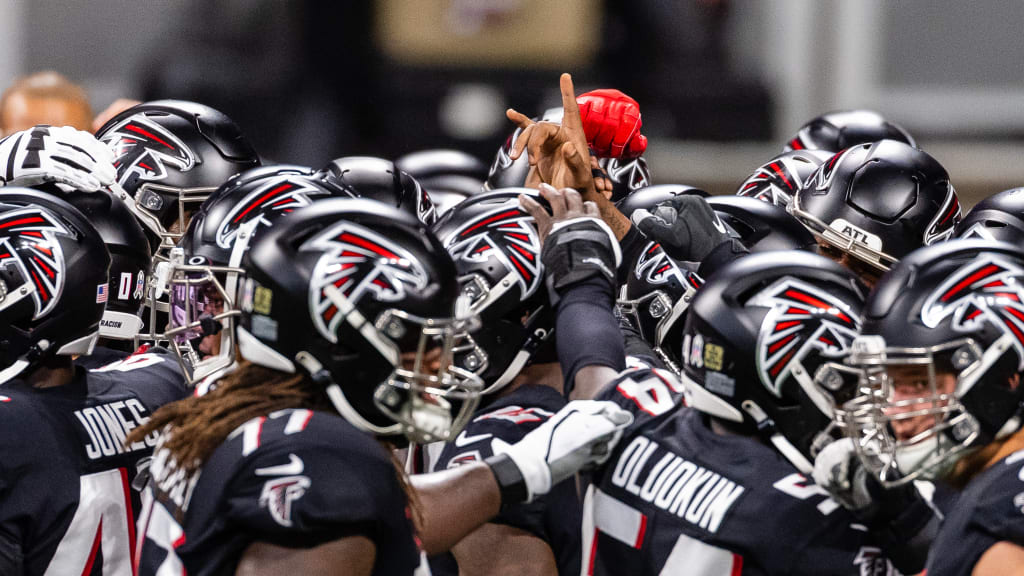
(838, 471)
(72, 159)
(579, 436)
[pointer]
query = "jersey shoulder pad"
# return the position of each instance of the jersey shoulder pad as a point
(154, 375)
(997, 499)
(309, 477)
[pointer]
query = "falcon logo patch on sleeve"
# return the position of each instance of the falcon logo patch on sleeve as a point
(278, 495)
(358, 262)
(28, 242)
(801, 319)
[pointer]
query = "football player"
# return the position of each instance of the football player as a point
(496, 250)
(695, 488)
(170, 155)
(67, 503)
(448, 176)
(941, 352)
(349, 313)
(781, 177)
(874, 203)
(203, 274)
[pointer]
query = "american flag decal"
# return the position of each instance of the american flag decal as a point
(101, 293)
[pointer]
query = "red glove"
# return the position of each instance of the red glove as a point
(611, 121)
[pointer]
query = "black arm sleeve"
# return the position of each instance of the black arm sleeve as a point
(586, 331)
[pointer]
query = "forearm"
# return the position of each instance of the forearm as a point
(584, 315)
(615, 220)
(453, 503)
(497, 550)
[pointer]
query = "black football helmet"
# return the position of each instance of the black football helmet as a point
(837, 131)
(170, 156)
(448, 176)
(53, 280)
(130, 260)
(941, 355)
(999, 217)
(359, 295)
(758, 336)
(781, 177)
(760, 226)
(204, 271)
(878, 202)
(496, 249)
(379, 179)
(658, 289)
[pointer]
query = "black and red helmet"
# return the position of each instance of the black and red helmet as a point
(999, 217)
(781, 177)
(840, 130)
(53, 277)
(759, 336)
(170, 156)
(878, 202)
(496, 249)
(379, 179)
(359, 295)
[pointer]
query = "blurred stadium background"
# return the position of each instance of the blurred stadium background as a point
(722, 83)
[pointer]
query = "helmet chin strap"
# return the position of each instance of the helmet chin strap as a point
(338, 399)
(784, 446)
(538, 337)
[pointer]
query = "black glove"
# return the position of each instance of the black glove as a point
(685, 226)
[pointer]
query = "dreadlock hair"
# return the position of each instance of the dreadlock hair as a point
(199, 424)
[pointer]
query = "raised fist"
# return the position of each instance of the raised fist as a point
(611, 121)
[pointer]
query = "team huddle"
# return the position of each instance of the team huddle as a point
(215, 364)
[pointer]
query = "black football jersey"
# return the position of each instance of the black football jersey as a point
(554, 517)
(295, 478)
(67, 505)
(990, 510)
(100, 357)
(677, 498)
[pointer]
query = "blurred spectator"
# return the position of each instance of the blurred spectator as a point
(44, 98)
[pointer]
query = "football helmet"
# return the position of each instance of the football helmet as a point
(781, 177)
(170, 155)
(941, 356)
(999, 217)
(130, 260)
(204, 272)
(760, 226)
(379, 179)
(758, 335)
(364, 299)
(53, 280)
(837, 131)
(496, 249)
(448, 176)
(877, 202)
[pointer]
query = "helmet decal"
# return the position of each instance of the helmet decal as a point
(801, 318)
(941, 227)
(141, 148)
(506, 233)
(358, 262)
(985, 290)
(822, 178)
(633, 173)
(28, 242)
(276, 196)
(655, 267)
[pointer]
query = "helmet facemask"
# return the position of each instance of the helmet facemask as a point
(910, 420)
(848, 240)
(203, 312)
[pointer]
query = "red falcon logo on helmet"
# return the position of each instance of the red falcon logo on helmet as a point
(358, 262)
(948, 216)
(655, 267)
(507, 234)
(275, 197)
(986, 290)
(141, 148)
(28, 242)
(801, 319)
